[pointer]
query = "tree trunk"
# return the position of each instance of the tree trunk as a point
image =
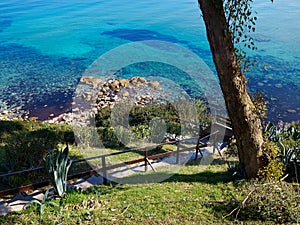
(245, 122)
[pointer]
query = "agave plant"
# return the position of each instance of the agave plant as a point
(274, 133)
(290, 155)
(277, 134)
(57, 169)
(293, 133)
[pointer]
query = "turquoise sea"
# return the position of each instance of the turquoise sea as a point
(46, 46)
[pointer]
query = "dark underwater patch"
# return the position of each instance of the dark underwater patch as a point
(5, 22)
(141, 35)
(275, 77)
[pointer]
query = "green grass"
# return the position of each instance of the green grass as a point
(196, 195)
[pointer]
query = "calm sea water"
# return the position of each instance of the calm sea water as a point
(45, 47)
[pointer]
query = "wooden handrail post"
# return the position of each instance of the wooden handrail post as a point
(214, 143)
(104, 171)
(177, 152)
(146, 161)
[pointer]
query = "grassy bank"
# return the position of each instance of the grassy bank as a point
(196, 195)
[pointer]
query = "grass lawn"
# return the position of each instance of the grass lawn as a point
(196, 195)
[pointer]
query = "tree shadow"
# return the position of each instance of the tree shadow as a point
(205, 175)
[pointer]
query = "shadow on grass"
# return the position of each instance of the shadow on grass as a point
(207, 176)
(192, 173)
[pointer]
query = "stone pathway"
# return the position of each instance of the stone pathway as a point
(19, 201)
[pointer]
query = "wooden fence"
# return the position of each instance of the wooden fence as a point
(105, 168)
(201, 142)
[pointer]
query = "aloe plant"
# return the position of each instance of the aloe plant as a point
(57, 169)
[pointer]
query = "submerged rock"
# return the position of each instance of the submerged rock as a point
(278, 85)
(260, 84)
(94, 81)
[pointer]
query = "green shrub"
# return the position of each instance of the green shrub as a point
(18, 180)
(141, 131)
(87, 136)
(26, 149)
(108, 137)
(124, 135)
(158, 131)
(173, 128)
(10, 126)
(102, 118)
(140, 116)
(25, 143)
(274, 167)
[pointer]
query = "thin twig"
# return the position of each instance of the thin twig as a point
(231, 212)
(243, 202)
(242, 205)
(282, 179)
(125, 209)
(296, 171)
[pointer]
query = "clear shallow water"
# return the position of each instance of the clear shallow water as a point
(45, 47)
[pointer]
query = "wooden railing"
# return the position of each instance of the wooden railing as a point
(200, 143)
(105, 168)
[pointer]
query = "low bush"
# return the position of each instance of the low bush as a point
(275, 201)
(26, 149)
(151, 121)
(108, 137)
(274, 167)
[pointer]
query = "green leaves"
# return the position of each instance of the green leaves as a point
(277, 134)
(241, 23)
(42, 204)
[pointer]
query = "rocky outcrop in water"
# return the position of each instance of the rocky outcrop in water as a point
(93, 94)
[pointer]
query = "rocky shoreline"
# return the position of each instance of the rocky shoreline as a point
(93, 94)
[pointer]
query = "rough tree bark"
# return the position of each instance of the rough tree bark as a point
(246, 123)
